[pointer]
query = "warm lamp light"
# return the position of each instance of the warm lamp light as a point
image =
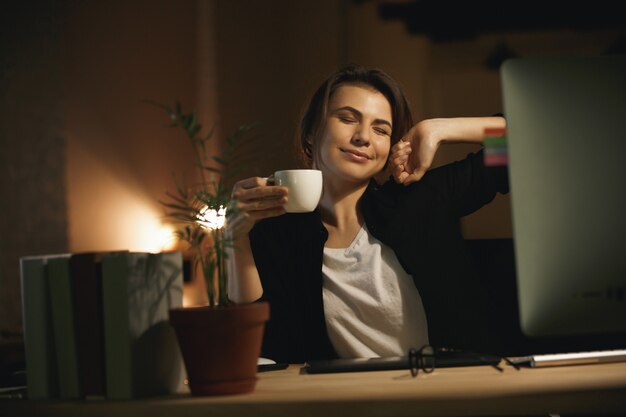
(150, 235)
(212, 219)
(140, 227)
(119, 216)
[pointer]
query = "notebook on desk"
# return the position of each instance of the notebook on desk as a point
(446, 359)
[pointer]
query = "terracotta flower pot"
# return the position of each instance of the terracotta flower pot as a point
(220, 346)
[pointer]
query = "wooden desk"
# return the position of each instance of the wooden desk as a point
(583, 389)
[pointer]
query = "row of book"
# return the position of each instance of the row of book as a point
(96, 324)
(496, 151)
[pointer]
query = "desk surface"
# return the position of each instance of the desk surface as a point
(482, 390)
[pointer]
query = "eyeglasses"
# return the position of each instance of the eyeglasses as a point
(423, 359)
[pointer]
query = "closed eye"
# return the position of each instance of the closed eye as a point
(347, 120)
(382, 132)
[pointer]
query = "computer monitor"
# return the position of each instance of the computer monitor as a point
(566, 138)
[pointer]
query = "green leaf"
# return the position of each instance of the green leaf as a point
(209, 134)
(190, 123)
(194, 129)
(241, 130)
(183, 217)
(173, 206)
(180, 200)
(211, 169)
(219, 160)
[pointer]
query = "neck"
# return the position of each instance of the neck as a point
(339, 204)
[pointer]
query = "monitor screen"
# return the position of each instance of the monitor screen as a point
(566, 139)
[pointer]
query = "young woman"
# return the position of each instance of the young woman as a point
(379, 267)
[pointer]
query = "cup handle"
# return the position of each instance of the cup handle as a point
(270, 180)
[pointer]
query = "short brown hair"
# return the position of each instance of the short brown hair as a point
(314, 117)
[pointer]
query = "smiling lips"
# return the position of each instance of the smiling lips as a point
(356, 155)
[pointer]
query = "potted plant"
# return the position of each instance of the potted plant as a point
(220, 342)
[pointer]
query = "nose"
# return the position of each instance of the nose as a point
(361, 136)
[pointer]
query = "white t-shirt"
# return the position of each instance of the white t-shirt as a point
(371, 305)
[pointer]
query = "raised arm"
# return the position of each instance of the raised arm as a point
(254, 200)
(413, 155)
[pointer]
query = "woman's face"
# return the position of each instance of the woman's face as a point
(356, 138)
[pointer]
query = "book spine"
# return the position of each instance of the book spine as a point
(86, 279)
(155, 286)
(41, 370)
(117, 340)
(62, 309)
(141, 351)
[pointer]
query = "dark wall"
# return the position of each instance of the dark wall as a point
(32, 147)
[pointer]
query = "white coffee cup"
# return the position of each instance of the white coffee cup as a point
(305, 188)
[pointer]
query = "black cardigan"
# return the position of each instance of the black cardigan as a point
(420, 223)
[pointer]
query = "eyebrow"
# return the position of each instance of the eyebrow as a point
(358, 113)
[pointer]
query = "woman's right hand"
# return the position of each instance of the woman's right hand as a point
(254, 199)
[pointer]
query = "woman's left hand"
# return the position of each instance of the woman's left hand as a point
(410, 158)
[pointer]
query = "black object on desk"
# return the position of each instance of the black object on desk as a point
(264, 367)
(443, 359)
